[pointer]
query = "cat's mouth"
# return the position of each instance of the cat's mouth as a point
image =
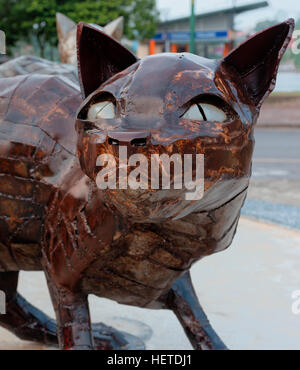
(155, 206)
(141, 205)
(151, 187)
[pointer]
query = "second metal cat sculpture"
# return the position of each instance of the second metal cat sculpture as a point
(132, 246)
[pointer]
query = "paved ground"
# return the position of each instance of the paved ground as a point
(245, 290)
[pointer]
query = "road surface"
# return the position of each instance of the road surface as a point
(274, 192)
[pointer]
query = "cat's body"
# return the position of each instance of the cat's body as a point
(133, 246)
(36, 152)
(40, 173)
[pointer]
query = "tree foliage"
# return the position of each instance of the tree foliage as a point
(143, 19)
(21, 19)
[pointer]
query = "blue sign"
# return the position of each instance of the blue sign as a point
(211, 35)
(160, 37)
(185, 36)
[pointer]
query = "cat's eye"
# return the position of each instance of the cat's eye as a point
(205, 112)
(104, 109)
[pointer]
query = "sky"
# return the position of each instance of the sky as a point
(281, 9)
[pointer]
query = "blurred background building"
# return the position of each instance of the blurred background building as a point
(214, 32)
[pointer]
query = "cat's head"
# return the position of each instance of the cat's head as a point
(66, 32)
(174, 104)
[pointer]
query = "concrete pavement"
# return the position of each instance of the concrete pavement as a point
(245, 290)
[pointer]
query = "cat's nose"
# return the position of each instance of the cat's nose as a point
(134, 138)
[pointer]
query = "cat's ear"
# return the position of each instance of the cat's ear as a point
(63, 25)
(99, 57)
(115, 28)
(257, 60)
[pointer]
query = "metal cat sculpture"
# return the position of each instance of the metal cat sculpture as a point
(132, 246)
(66, 31)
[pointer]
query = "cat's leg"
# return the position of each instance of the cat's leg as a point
(74, 328)
(182, 300)
(21, 318)
(29, 323)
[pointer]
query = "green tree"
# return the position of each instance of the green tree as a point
(143, 19)
(8, 21)
(22, 19)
